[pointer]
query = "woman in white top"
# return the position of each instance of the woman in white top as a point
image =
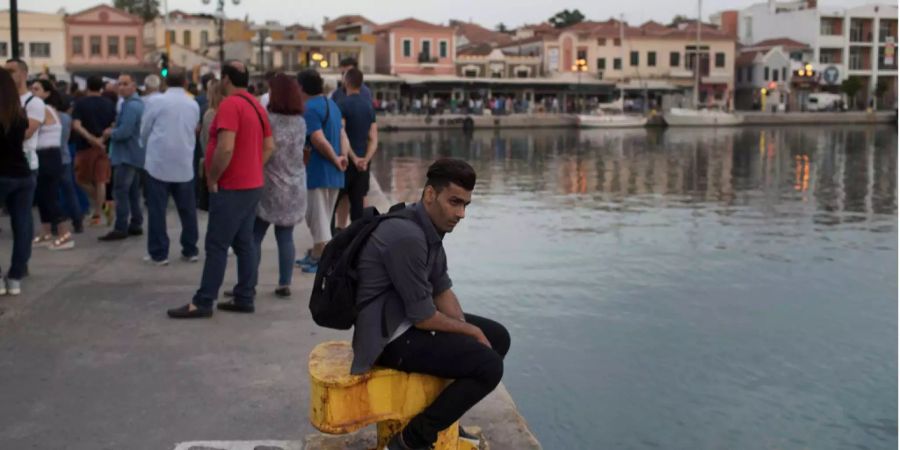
(50, 172)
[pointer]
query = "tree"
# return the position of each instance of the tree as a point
(679, 19)
(881, 88)
(501, 27)
(851, 87)
(146, 9)
(566, 18)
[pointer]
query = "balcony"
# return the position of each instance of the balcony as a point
(427, 60)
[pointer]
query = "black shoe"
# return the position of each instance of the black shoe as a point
(114, 235)
(469, 437)
(234, 307)
(78, 227)
(185, 312)
(137, 231)
(396, 443)
(283, 292)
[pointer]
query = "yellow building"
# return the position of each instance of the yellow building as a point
(42, 39)
(195, 32)
(651, 56)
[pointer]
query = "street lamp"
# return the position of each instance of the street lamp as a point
(220, 14)
(263, 39)
(579, 66)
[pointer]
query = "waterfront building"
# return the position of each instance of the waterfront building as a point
(42, 41)
(105, 41)
(769, 69)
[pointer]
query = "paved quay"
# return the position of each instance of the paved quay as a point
(89, 360)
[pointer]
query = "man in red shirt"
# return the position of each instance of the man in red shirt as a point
(240, 143)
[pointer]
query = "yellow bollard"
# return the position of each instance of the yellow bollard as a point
(341, 403)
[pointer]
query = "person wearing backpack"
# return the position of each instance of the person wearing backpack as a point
(407, 316)
(240, 143)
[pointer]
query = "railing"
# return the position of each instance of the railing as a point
(425, 58)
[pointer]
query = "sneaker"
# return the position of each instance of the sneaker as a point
(469, 437)
(310, 268)
(306, 260)
(13, 287)
(2, 287)
(114, 235)
(396, 443)
(64, 243)
(283, 292)
(42, 241)
(149, 260)
(191, 259)
(136, 231)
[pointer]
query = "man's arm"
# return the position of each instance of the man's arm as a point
(268, 149)
(346, 149)
(127, 125)
(76, 125)
(37, 115)
(371, 146)
(148, 119)
(447, 303)
(221, 160)
(441, 322)
(321, 144)
(33, 126)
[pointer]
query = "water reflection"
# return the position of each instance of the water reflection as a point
(838, 170)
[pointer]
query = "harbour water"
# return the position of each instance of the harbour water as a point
(682, 289)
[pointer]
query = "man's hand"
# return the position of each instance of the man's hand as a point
(212, 185)
(107, 133)
(98, 142)
(480, 337)
(342, 163)
(362, 164)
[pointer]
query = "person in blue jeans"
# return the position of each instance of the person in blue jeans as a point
(168, 132)
(127, 158)
(17, 183)
(240, 144)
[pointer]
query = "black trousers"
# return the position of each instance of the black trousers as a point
(475, 368)
(356, 187)
(50, 173)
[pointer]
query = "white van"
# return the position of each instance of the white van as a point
(823, 101)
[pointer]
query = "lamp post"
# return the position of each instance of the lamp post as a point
(262, 37)
(220, 15)
(579, 66)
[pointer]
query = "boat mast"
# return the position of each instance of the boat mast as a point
(697, 57)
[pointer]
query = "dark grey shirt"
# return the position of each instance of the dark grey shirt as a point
(403, 266)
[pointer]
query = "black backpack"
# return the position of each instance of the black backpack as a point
(333, 299)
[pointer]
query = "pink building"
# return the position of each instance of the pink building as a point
(411, 46)
(104, 41)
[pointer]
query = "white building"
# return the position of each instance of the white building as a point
(42, 41)
(852, 42)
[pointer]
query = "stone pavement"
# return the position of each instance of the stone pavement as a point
(89, 360)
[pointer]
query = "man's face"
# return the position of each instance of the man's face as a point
(17, 74)
(126, 86)
(448, 207)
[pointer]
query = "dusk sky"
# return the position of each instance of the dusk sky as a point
(485, 12)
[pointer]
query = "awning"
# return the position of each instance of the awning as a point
(431, 79)
(650, 85)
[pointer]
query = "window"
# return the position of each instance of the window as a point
(39, 49)
(4, 50)
(187, 39)
(766, 74)
(21, 49)
(674, 59)
(582, 54)
(470, 73)
(886, 28)
(775, 75)
(601, 63)
(112, 45)
(96, 49)
(617, 42)
(407, 48)
(77, 45)
(720, 59)
(749, 74)
(617, 63)
(171, 37)
(635, 58)
(130, 46)
(204, 38)
(601, 42)
(651, 59)
(740, 75)
(784, 73)
(826, 27)
(426, 49)
(443, 49)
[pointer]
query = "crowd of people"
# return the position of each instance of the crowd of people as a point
(115, 150)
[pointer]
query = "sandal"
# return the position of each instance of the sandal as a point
(42, 241)
(65, 242)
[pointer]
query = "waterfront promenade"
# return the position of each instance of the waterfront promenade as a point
(90, 361)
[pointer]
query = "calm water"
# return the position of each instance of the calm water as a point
(685, 289)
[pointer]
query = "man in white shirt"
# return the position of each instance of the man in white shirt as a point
(34, 108)
(168, 131)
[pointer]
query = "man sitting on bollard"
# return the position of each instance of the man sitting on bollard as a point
(412, 321)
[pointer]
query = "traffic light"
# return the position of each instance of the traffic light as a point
(164, 65)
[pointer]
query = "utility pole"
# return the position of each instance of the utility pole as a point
(697, 57)
(14, 27)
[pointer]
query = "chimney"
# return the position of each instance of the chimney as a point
(729, 22)
(812, 4)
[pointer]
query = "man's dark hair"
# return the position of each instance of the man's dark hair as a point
(204, 80)
(176, 78)
(239, 78)
(95, 83)
(311, 82)
(450, 170)
(269, 75)
(349, 62)
(354, 78)
(23, 66)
